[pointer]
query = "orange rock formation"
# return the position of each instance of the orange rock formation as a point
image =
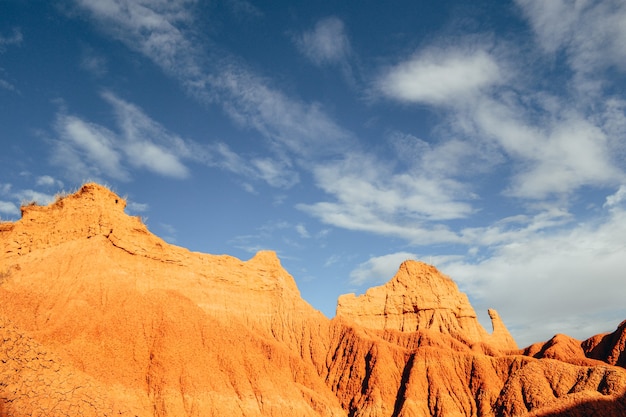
(418, 298)
(99, 317)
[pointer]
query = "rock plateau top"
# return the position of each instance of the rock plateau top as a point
(99, 317)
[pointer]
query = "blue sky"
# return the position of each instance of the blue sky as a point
(487, 138)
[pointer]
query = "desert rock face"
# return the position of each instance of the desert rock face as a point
(418, 298)
(610, 347)
(100, 317)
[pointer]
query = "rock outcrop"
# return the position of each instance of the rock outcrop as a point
(609, 347)
(100, 317)
(418, 298)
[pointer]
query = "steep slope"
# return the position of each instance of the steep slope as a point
(100, 317)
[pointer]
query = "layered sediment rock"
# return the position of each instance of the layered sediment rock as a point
(100, 317)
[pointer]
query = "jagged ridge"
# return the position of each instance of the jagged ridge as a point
(100, 317)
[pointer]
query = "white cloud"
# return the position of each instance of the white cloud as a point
(300, 128)
(379, 269)
(591, 33)
(147, 144)
(276, 173)
(144, 154)
(9, 208)
(273, 172)
(15, 38)
(301, 229)
(151, 27)
(148, 26)
(616, 199)
(86, 150)
(28, 196)
(441, 76)
(556, 155)
(326, 44)
(48, 181)
(135, 207)
(568, 280)
(371, 197)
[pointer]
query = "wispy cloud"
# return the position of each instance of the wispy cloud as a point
(94, 63)
(147, 144)
(592, 33)
(275, 172)
(558, 154)
(86, 150)
(370, 196)
(244, 9)
(89, 150)
(302, 129)
(154, 28)
(301, 229)
(14, 38)
(326, 44)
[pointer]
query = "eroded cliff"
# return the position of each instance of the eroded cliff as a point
(100, 317)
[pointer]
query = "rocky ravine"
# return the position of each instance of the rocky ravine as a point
(99, 317)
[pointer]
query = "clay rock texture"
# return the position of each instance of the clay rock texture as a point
(100, 317)
(417, 298)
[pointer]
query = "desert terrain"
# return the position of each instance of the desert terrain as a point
(99, 317)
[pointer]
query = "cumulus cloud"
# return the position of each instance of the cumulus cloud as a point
(326, 44)
(441, 76)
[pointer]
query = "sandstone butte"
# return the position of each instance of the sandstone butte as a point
(99, 317)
